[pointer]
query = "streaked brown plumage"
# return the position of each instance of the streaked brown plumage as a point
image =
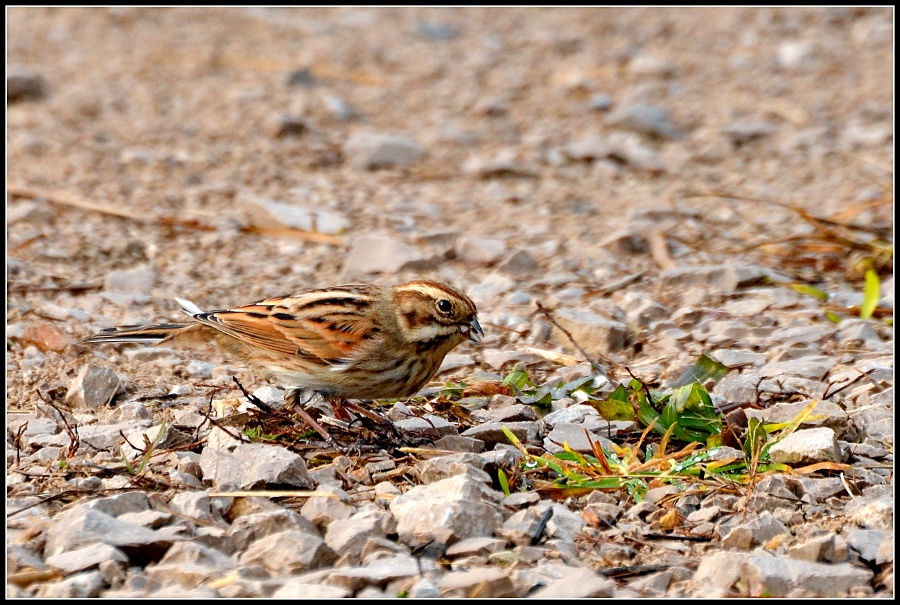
(357, 341)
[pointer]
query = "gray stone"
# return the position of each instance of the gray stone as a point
(88, 557)
(589, 147)
(161, 436)
(601, 102)
(806, 447)
(646, 119)
(641, 310)
(81, 526)
(152, 519)
(120, 504)
(596, 334)
(821, 488)
(268, 213)
(813, 367)
(347, 536)
(627, 147)
(755, 532)
(704, 514)
(503, 163)
(733, 357)
(563, 523)
(885, 552)
(429, 424)
(718, 574)
(509, 413)
(339, 108)
(498, 358)
(370, 150)
(576, 436)
(492, 432)
(740, 132)
(519, 263)
(383, 253)
(857, 331)
(481, 545)
(436, 31)
(250, 528)
(794, 54)
(654, 585)
(521, 527)
(871, 512)
(833, 416)
(288, 552)
(651, 65)
(803, 335)
(254, 465)
(447, 511)
(327, 507)
(455, 361)
(201, 507)
(136, 280)
(725, 278)
(482, 250)
(606, 514)
(485, 583)
(93, 387)
(380, 572)
(877, 420)
(439, 468)
(79, 586)
(190, 564)
(297, 588)
(824, 548)
(458, 443)
(776, 492)
(575, 414)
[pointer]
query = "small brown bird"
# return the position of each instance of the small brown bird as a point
(357, 341)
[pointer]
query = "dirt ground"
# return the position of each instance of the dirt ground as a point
(177, 113)
(135, 167)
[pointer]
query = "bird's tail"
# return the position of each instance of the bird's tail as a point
(150, 334)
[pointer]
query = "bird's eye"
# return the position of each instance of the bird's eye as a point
(444, 306)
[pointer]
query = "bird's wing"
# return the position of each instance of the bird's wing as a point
(332, 327)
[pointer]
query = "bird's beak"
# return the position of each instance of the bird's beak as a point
(473, 331)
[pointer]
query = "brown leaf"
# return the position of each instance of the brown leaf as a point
(486, 389)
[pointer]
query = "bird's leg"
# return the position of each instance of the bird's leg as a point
(365, 412)
(381, 420)
(292, 399)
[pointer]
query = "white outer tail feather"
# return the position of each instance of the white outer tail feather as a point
(188, 307)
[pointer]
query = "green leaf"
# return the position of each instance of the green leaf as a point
(517, 379)
(871, 294)
(504, 482)
(832, 317)
(755, 439)
(541, 396)
(810, 291)
(615, 406)
(704, 369)
(514, 440)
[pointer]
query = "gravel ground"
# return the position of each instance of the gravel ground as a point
(649, 176)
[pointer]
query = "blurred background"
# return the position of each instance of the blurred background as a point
(226, 155)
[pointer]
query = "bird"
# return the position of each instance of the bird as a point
(352, 341)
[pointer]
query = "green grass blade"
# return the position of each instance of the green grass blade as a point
(504, 482)
(871, 294)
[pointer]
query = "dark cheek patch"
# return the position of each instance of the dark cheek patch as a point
(412, 318)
